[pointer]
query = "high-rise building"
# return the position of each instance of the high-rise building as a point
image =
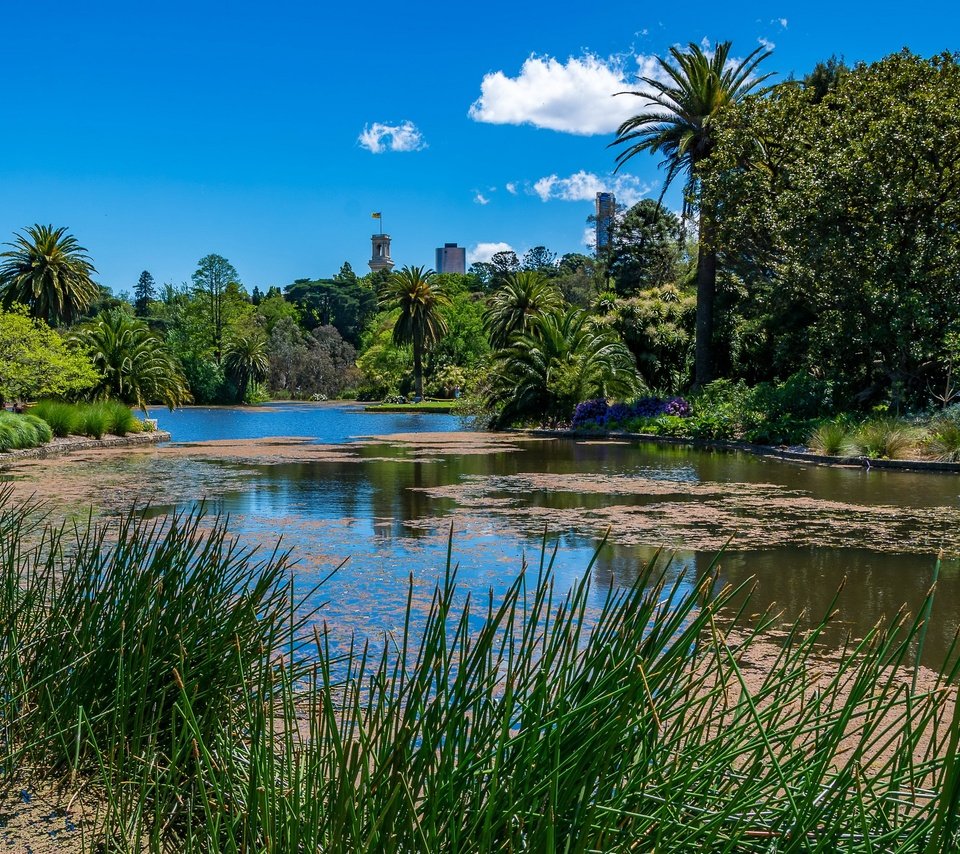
(380, 253)
(606, 209)
(451, 259)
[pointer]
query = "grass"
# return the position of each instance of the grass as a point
(87, 419)
(438, 406)
(166, 667)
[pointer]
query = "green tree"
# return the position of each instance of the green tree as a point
(213, 275)
(144, 293)
(541, 260)
(562, 359)
(646, 248)
(134, 363)
(680, 125)
(37, 362)
(245, 359)
(344, 301)
(383, 365)
(47, 270)
(525, 295)
(420, 321)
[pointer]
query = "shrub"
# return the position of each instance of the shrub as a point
(589, 412)
(832, 439)
(884, 438)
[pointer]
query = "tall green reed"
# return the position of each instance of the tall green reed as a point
(103, 627)
(162, 664)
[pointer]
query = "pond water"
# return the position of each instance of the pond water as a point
(382, 491)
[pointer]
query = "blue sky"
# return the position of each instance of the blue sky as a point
(266, 132)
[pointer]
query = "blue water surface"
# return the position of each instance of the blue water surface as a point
(325, 423)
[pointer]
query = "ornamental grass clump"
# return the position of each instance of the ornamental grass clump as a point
(884, 438)
(18, 432)
(61, 416)
(120, 417)
(944, 440)
(832, 439)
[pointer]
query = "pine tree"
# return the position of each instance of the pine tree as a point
(144, 293)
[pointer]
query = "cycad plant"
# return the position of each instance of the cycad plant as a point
(136, 366)
(47, 270)
(525, 295)
(561, 360)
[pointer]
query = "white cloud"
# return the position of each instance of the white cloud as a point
(782, 22)
(511, 188)
(583, 186)
(378, 137)
(766, 44)
(485, 251)
(590, 237)
(481, 199)
(576, 96)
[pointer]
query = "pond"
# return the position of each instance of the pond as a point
(383, 491)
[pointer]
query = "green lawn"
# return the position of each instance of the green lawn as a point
(441, 406)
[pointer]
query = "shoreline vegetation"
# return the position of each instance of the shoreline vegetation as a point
(160, 710)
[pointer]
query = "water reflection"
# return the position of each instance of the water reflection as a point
(387, 507)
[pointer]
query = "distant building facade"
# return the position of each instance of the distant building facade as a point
(451, 259)
(606, 209)
(380, 253)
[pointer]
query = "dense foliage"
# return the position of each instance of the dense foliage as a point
(36, 361)
(838, 230)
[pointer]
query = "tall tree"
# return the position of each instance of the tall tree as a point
(420, 321)
(645, 249)
(540, 259)
(211, 278)
(678, 122)
(144, 292)
(49, 272)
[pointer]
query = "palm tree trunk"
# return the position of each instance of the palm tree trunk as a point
(706, 290)
(418, 366)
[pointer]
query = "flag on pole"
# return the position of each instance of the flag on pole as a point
(376, 215)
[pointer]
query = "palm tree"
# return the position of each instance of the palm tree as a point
(562, 359)
(420, 322)
(679, 123)
(525, 294)
(245, 358)
(48, 271)
(135, 365)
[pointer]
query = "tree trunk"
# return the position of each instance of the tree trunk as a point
(706, 290)
(418, 366)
